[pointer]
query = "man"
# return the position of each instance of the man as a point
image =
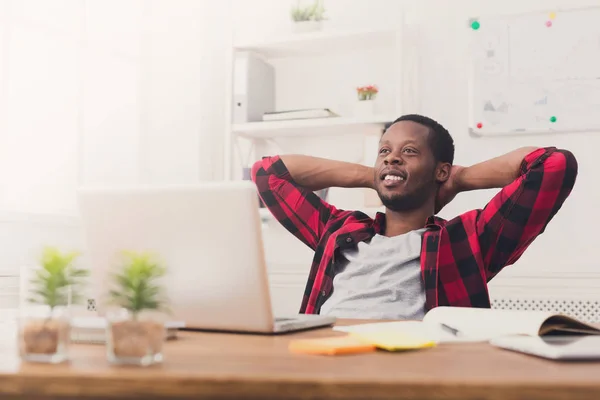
(406, 261)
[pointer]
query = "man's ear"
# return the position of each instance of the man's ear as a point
(442, 172)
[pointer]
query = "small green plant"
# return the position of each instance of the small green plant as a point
(311, 12)
(135, 284)
(57, 282)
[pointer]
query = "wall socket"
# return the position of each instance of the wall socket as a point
(91, 305)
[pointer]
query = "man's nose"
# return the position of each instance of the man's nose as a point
(393, 159)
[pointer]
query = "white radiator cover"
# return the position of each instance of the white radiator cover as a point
(583, 309)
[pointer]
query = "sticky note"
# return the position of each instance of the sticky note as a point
(331, 346)
(552, 15)
(394, 341)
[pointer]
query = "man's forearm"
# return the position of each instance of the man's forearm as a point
(319, 173)
(495, 173)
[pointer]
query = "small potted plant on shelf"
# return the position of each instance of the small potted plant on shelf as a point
(136, 330)
(44, 326)
(366, 96)
(308, 17)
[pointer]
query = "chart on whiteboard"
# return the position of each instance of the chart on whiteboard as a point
(536, 72)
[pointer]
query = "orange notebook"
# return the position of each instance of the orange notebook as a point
(330, 346)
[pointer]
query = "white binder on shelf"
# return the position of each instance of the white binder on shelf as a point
(253, 88)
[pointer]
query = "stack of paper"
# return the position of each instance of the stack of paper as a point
(461, 324)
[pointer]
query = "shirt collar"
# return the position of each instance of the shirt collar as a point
(435, 222)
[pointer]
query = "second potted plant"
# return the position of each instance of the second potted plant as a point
(136, 330)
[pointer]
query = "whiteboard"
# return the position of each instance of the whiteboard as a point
(527, 69)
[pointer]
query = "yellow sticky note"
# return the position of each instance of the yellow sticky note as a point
(552, 15)
(393, 341)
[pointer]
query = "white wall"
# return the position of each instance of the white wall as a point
(108, 92)
(111, 107)
(40, 96)
(185, 54)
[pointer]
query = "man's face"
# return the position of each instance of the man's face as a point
(405, 168)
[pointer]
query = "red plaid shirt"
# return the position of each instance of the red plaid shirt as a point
(458, 257)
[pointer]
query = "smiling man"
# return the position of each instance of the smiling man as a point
(407, 261)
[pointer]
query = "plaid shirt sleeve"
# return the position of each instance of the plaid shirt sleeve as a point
(521, 211)
(298, 209)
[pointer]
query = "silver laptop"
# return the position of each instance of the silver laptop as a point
(209, 236)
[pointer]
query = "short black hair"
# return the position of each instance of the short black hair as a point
(440, 140)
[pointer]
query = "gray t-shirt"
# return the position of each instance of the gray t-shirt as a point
(379, 279)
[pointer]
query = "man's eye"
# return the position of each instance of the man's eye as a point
(383, 151)
(409, 150)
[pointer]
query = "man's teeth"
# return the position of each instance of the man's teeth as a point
(393, 178)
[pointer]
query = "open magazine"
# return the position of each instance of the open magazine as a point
(461, 324)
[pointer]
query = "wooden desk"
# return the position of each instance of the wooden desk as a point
(227, 366)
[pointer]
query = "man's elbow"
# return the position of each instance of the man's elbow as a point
(570, 159)
(256, 167)
(564, 166)
(572, 167)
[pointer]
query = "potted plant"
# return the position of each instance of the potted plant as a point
(44, 328)
(308, 18)
(366, 96)
(136, 330)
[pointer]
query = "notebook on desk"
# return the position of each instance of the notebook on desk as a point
(461, 324)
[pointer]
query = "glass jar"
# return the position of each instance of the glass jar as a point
(44, 334)
(135, 339)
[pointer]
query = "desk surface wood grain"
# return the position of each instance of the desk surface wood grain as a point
(242, 366)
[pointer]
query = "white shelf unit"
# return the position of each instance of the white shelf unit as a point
(325, 43)
(371, 55)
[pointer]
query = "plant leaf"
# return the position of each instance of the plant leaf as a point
(134, 284)
(51, 283)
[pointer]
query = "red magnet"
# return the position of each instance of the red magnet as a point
(479, 125)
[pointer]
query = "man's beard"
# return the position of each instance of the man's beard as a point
(406, 201)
